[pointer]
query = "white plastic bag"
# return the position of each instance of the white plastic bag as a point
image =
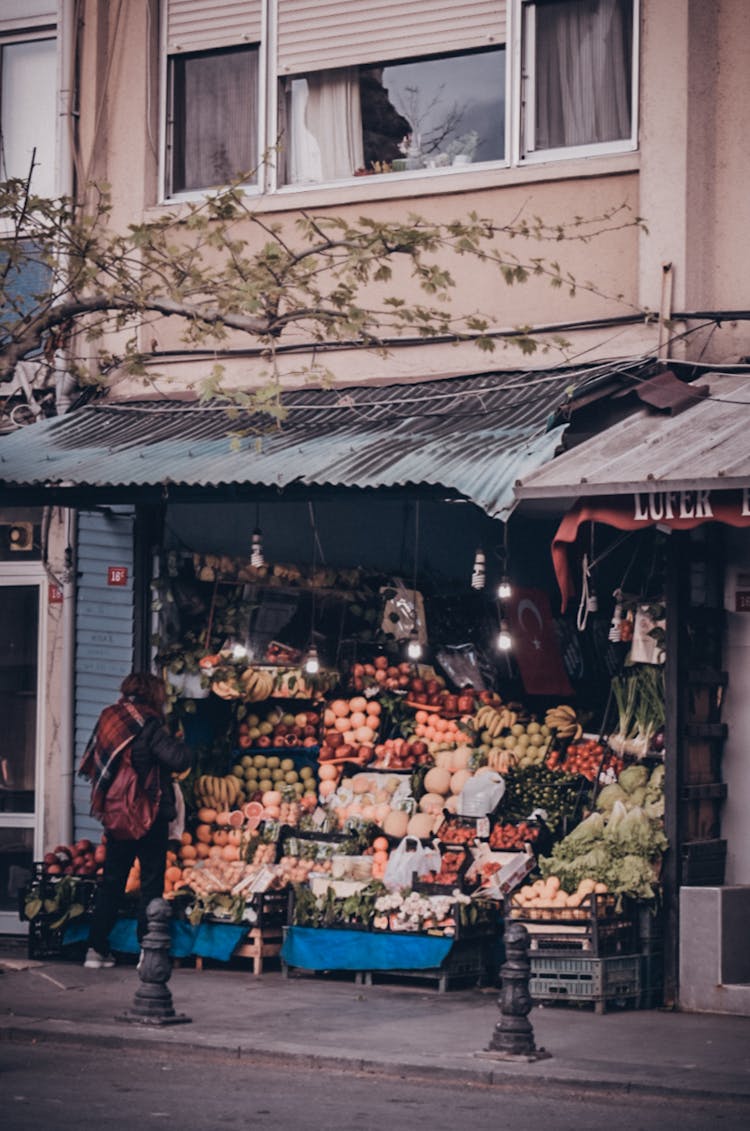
(410, 856)
(481, 795)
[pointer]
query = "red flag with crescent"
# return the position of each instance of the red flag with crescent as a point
(535, 645)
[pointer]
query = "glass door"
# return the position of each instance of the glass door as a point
(20, 733)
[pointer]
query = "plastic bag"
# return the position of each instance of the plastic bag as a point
(410, 856)
(460, 663)
(481, 795)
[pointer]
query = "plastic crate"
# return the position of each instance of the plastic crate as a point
(583, 980)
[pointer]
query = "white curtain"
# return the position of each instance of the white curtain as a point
(582, 72)
(326, 127)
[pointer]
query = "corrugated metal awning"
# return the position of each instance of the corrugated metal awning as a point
(475, 436)
(705, 447)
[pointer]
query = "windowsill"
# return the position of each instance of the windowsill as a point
(426, 183)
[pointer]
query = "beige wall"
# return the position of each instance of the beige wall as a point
(687, 181)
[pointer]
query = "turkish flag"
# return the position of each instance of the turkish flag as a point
(535, 644)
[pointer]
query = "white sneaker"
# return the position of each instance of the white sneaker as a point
(96, 961)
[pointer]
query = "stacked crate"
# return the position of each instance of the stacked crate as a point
(586, 955)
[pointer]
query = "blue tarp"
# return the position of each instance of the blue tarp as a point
(207, 940)
(314, 948)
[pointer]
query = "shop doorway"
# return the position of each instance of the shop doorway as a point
(22, 597)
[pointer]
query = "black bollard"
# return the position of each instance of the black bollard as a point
(152, 1001)
(513, 1036)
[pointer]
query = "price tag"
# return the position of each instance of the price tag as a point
(483, 826)
(319, 817)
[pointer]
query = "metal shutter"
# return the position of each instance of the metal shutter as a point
(104, 635)
(317, 34)
(194, 25)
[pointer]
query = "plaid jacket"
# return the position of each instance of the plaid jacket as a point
(116, 728)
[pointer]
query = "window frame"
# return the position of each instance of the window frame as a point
(524, 95)
(36, 34)
(519, 109)
(405, 174)
(166, 124)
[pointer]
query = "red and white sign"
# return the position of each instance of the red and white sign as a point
(117, 575)
(54, 594)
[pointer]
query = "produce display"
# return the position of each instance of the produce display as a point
(309, 787)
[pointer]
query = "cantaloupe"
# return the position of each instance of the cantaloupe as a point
(438, 780)
(460, 757)
(396, 823)
(432, 803)
(421, 825)
(459, 780)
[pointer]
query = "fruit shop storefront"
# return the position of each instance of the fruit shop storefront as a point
(392, 721)
(683, 479)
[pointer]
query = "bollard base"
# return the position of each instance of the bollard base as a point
(141, 1019)
(514, 1057)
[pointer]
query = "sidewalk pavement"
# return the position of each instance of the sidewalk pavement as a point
(391, 1026)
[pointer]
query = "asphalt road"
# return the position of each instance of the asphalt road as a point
(78, 1087)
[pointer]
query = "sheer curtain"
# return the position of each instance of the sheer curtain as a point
(583, 52)
(216, 135)
(326, 127)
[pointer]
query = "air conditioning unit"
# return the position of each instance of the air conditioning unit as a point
(20, 536)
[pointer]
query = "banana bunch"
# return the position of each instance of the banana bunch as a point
(213, 792)
(501, 760)
(225, 689)
(494, 720)
(563, 721)
(256, 684)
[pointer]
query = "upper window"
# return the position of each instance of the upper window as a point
(213, 118)
(28, 112)
(300, 92)
(578, 75)
(382, 118)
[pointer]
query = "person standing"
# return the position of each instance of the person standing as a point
(136, 722)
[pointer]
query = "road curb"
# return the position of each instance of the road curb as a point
(470, 1074)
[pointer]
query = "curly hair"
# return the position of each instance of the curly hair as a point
(146, 688)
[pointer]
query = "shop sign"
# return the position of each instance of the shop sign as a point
(664, 506)
(117, 575)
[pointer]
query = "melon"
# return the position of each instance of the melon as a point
(452, 803)
(444, 759)
(459, 780)
(438, 780)
(396, 823)
(432, 803)
(421, 825)
(460, 757)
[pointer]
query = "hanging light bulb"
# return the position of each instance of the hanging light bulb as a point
(478, 571)
(256, 552)
(312, 662)
(414, 648)
(239, 652)
(504, 588)
(504, 639)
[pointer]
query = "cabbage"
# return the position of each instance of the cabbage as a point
(583, 837)
(636, 833)
(632, 778)
(631, 875)
(608, 796)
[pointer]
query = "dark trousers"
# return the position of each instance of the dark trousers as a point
(151, 850)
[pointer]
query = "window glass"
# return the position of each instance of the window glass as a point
(19, 616)
(28, 112)
(16, 865)
(214, 119)
(582, 63)
(425, 113)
